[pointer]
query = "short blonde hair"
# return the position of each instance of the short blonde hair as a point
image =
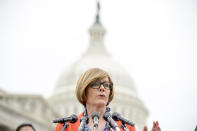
(88, 77)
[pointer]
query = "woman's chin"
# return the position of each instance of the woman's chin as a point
(97, 103)
(101, 103)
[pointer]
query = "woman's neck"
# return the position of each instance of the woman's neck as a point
(92, 108)
(101, 110)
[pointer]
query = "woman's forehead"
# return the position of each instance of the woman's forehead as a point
(104, 79)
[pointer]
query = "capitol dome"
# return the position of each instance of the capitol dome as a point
(96, 56)
(125, 99)
(119, 75)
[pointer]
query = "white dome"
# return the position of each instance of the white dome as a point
(96, 56)
(119, 75)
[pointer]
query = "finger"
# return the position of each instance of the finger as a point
(154, 124)
(153, 128)
(158, 128)
(145, 128)
(157, 123)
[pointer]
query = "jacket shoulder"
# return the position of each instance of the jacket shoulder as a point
(72, 126)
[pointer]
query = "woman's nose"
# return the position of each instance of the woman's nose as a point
(102, 88)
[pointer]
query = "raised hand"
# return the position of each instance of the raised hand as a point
(154, 128)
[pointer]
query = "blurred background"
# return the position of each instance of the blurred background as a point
(154, 40)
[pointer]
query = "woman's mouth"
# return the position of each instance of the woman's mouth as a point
(101, 95)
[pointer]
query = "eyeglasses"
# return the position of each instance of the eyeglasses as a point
(97, 85)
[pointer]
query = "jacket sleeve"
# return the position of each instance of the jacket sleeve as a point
(131, 128)
(58, 127)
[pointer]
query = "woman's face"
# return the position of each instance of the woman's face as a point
(98, 96)
(26, 128)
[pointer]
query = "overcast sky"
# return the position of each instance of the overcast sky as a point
(155, 40)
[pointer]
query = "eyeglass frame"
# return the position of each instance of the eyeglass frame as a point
(91, 85)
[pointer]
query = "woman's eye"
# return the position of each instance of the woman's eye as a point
(106, 84)
(96, 83)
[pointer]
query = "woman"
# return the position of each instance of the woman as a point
(95, 91)
(25, 127)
